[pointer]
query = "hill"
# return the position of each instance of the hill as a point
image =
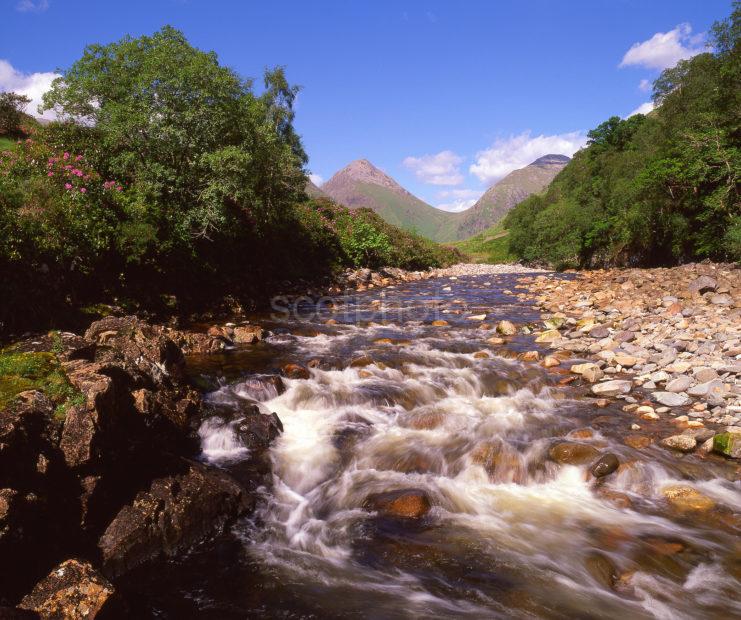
(361, 184)
(501, 197)
(490, 246)
(313, 190)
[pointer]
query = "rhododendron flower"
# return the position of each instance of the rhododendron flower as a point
(50, 174)
(66, 155)
(68, 186)
(78, 158)
(83, 190)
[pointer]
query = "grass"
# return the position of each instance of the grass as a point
(7, 144)
(490, 246)
(36, 371)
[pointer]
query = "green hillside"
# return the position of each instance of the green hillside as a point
(490, 246)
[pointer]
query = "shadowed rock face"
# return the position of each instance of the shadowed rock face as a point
(114, 476)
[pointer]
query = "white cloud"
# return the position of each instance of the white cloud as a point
(316, 179)
(29, 6)
(33, 85)
(458, 199)
(644, 108)
(440, 169)
(645, 85)
(509, 154)
(664, 49)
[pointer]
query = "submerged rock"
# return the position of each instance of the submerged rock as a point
(569, 453)
(685, 498)
(405, 503)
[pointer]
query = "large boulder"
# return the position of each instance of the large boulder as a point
(402, 504)
(174, 513)
(74, 590)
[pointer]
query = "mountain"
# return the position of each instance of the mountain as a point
(502, 196)
(361, 184)
(313, 190)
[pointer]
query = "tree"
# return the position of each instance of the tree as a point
(12, 112)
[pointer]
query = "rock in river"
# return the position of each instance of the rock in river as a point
(670, 399)
(405, 503)
(728, 443)
(570, 453)
(683, 443)
(612, 388)
(605, 465)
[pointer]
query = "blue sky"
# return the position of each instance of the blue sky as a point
(446, 97)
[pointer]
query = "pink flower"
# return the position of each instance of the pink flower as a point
(119, 188)
(83, 190)
(68, 186)
(66, 156)
(78, 158)
(50, 174)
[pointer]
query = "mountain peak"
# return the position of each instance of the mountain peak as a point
(551, 159)
(363, 171)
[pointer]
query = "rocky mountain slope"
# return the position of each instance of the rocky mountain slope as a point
(361, 184)
(503, 196)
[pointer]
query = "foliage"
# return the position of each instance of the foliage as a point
(12, 108)
(656, 189)
(167, 175)
(489, 246)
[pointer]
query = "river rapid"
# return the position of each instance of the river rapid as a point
(395, 403)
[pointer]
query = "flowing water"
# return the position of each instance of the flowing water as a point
(394, 403)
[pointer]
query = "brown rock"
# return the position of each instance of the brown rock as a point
(74, 590)
(295, 371)
(637, 441)
(248, 334)
(571, 453)
(405, 503)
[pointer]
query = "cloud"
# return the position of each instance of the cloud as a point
(440, 169)
(509, 154)
(316, 179)
(664, 49)
(645, 85)
(29, 6)
(644, 108)
(33, 85)
(458, 199)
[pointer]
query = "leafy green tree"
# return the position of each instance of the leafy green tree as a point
(12, 112)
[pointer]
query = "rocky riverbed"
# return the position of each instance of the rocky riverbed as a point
(665, 341)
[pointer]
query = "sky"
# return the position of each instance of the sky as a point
(446, 97)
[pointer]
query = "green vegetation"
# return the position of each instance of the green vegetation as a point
(651, 190)
(35, 371)
(489, 246)
(6, 144)
(168, 175)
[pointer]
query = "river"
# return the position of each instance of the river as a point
(395, 403)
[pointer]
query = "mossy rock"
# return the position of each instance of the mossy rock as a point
(728, 444)
(21, 371)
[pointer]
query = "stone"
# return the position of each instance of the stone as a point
(612, 388)
(680, 384)
(248, 334)
(604, 465)
(687, 499)
(440, 323)
(638, 442)
(295, 371)
(173, 514)
(625, 360)
(74, 590)
(714, 386)
(599, 332)
(644, 410)
(670, 399)
(548, 336)
(721, 300)
(529, 356)
(704, 375)
(728, 443)
(550, 361)
(682, 443)
(506, 328)
(403, 504)
(570, 453)
(476, 317)
(602, 569)
(702, 284)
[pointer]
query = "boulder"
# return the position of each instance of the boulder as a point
(604, 465)
(248, 334)
(728, 443)
(687, 499)
(506, 328)
(295, 371)
(702, 284)
(176, 512)
(682, 443)
(548, 336)
(680, 384)
(612, 388)
(570, 453)
(74, 590)
(670, 399)
(404, 504)
(591, 372)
